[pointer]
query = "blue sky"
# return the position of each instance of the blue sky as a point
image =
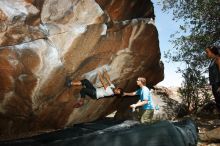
(166, 26)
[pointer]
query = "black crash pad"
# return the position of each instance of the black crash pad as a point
(116, 133)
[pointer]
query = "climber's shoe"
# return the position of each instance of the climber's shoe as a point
(79, 103)
(68, 82)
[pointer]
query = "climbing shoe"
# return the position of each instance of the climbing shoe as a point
(79, 103)
(68, 82)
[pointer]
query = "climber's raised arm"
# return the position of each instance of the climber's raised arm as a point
(102, 80)
(106, 75)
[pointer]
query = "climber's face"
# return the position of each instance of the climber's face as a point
(138, 82)
(117, 91)
(209, 53)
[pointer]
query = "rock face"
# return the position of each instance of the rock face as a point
(43, 41)
(212, 135)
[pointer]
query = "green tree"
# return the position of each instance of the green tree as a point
(194, 89)
(201, 27)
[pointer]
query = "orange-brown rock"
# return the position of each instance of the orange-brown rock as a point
(212, 135)
(42, 42)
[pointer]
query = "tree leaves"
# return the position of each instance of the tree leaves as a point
(200, 29)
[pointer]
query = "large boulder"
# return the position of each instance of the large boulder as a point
(212, 135)
(43, 41)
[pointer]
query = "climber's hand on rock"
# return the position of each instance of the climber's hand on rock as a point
(104, 69)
